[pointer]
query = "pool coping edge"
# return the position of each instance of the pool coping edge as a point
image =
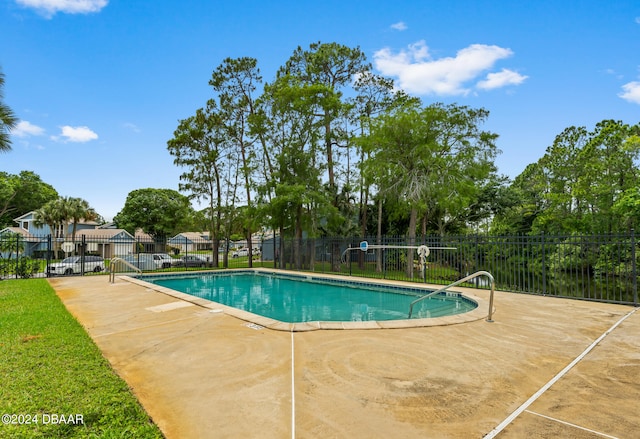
(479, 313)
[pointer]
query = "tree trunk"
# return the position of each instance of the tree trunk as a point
(250, 247)
(312, 254)
(297, 256)
(280, 255)
(329, 148)
(363, 216)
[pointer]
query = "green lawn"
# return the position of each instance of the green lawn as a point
(51, 372)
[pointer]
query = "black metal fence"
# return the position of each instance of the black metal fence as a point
(592, 267)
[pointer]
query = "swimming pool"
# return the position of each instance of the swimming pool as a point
(295, 298)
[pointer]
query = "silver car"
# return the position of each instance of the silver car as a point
(193, 261)
(142, 261)
(73, 265)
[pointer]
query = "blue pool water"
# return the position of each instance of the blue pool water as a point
(296, 299)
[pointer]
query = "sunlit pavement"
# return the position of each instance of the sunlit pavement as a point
(202, 374)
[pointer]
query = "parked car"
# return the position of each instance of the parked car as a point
(240, 253)
(73, 265)
(142, 261)
(193, 261)
(163, 260)
(245, 252)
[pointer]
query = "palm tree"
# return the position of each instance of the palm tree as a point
(7, 120)
(76, 209)
(10, 242)
(49, 215)
(62, 212)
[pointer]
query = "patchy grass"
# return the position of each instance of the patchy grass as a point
(50, 369)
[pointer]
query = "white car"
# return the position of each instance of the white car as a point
(240, 253)
(163, 260)
(73, 265)
(245, 252)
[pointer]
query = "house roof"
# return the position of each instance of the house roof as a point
(31, 216)
(142, 235)
(18, 230)
(107, 234)
(88, 223)
(191, 236)
(26, 216)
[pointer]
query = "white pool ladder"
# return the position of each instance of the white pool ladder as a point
(458, 282)
(113, 262)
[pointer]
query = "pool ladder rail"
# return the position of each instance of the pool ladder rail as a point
(458, 282)
(114, 262)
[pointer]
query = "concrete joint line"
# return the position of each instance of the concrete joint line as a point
(293, 392)
(493, 433)
(571, 425)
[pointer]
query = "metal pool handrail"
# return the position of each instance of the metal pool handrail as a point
(112, 263)
(458, 282)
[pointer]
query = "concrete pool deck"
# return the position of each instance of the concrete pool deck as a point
(202, 374)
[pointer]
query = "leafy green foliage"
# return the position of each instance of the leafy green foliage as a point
(22, 267)
(614, 261)
(235, 81)
(199, 145)
(22, 193)
(436, 158)
(8, 120)
(574, 254)
(627, 208)
(158, 212)
(585, 183)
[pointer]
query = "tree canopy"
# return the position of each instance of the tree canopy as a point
(311, 146)
(585, 183)
(310, 151)
(159, 212)
(8, 120)
(22, 193)
(327, 147)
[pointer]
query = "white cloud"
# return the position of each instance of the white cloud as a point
(51, 7)
(417, 72)
(76, 134)
(25, 129)
(631, 92)
(399, 26)
(501, 79)
(132, 127)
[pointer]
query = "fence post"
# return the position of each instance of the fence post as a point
(383, 254)
(48, 254)
(17, 254)
(186, 253)
(477, 255)
(83, 243)
(633, 268)
(544, 268)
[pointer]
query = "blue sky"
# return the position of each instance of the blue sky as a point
(100, 85)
